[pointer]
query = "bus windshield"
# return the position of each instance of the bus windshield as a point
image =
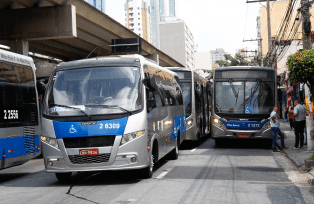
(94, 91)
(244, 97)
(18, 102)
(186, 88)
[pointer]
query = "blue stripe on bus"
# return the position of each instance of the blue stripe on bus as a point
(19, 146)
(244, 125)
(178, 124)
(100, 128)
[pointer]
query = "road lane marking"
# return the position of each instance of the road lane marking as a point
(193, 150)
(162, 174)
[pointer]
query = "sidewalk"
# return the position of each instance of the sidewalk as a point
(296, 156)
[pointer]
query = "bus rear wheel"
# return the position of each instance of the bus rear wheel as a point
(64, 177)
(174, 154)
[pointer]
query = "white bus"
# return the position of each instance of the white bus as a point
(111, 113)
(19, 124)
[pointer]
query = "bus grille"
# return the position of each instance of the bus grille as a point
(76, 159)
(29, 130)
(29, 143)
(33, 116)
(83, 142)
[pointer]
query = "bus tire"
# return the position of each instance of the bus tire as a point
(218, 142)
(147, 172)
(64, 177)
(174, 154)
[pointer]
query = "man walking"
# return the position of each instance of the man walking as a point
(299, 124)
(275, 128)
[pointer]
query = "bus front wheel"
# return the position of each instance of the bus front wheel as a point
(64, 177)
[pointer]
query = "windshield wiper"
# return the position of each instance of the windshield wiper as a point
(71, 108)
(234, 91)
(110, 106)
(255, 89)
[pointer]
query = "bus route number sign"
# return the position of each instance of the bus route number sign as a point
(10, 114)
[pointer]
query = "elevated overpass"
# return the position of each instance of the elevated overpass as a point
(65, 29)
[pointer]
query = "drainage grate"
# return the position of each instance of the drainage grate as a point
(76, 159)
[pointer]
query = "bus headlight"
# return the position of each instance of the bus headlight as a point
(189, 122)
(216, 121)
(267, 125)
(131, 136)
(51, 141)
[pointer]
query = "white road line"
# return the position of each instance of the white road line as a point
(162, 175)
(193, 150)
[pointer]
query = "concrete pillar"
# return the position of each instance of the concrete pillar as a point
(19, 46)
(154, 57)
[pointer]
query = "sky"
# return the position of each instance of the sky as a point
(213, 23)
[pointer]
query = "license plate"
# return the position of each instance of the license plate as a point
(243, 136)
(88, 152)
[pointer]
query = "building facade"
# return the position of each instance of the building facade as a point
(99, 4)
(138, 18)
(177, 41)
(161, 9)
(218, 54)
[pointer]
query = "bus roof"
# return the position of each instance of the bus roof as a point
(15, 58)
(113, 60)
(244, 68)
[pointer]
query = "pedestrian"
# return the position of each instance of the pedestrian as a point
(299, 124)
(285, 114)
(291, 113)
(275, 128)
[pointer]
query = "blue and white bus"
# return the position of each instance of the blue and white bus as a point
(19, 122)
(243, 97)
(111, 113)
(197, 100)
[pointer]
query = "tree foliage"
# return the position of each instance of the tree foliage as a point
(237, 60)
(301, 68)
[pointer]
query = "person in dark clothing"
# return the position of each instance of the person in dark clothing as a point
(291, 118)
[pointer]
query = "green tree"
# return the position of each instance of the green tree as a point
(237, 60)
(301, 68)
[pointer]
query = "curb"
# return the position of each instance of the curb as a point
(310, 180)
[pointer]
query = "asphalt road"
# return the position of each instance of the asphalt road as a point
(238, 172)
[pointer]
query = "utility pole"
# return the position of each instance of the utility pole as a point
(268, 26)
(307, 45)
(306, 25)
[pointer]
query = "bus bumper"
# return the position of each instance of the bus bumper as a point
(132, 155)
(218, 132)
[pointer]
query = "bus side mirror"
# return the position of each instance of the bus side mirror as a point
(149, 82)
(41, 88)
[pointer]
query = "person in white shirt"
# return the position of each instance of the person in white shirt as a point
(299, 124)
(274, 124)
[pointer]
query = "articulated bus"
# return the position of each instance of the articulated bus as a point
(243, 99)
(197, 100)
(111, 113)
(19, 124)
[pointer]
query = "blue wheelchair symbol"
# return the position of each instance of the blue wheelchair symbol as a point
(248, 111)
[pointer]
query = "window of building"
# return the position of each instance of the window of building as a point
(139, 29)
(138, 8)
(132, 29)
